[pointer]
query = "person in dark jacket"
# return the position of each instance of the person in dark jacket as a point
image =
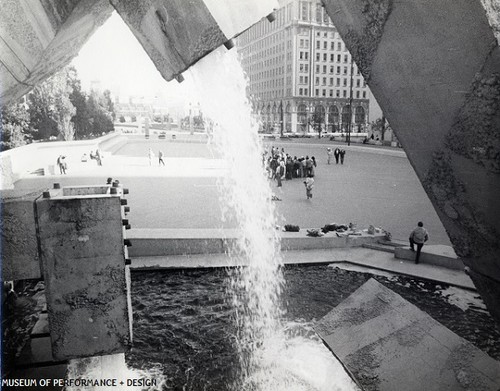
(336, 153)
(417, 238)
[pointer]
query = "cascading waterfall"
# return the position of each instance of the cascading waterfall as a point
(255, 285)
(274, 354)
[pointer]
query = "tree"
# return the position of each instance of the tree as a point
(51, 109)
(107, 104)
(121, 119)
(99, 118)
(379, 126)
(15, 125)
(79, 100)
(317, 121)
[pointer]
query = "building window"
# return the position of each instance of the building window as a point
(331, 69)
(304, 10)
(332, 45)
(324, 92)
(317, 68)
(331, 93)
(325, 45)
(338, 81)
(345, 82)
(338, 93)
(344, 93)
(318, 44)
(345, 70)
(317, 92)
(346, 57)
(324, 81)
(305, 91)
(306, 67)
(306, 79)
(324, 68)
(300, 91)
(301, 67)
(317, 81)
(364, 94)
(331, 81)
(306, 55)
(318, 13)
(324, 57)
(338, 70)
(338, 57)
(358, 83)
(339, 46)
(318, 57)
(301, 79)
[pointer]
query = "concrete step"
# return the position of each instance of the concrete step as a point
(37, 352)
(379, 247)
(393, 243)
(437, 255)
(41, 328)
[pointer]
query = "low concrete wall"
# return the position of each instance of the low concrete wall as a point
(164, 242)
(25, 160)
(437, 255)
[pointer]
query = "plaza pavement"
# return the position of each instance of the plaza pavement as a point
(376, 185)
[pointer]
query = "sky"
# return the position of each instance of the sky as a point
(115, 57)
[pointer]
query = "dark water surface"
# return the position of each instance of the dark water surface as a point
(183, 324)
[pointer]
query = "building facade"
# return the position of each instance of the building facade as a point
(301, 74)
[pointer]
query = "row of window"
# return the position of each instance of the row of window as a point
(330, 92)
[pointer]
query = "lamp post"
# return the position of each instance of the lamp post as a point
(349, 123)
(281, 119)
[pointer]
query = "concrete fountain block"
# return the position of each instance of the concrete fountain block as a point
(387, 343)
(19, 244)
(82, 252)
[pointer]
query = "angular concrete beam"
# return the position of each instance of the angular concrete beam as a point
(175, 34)
(387, 343)
(434, 67)
(37, 38)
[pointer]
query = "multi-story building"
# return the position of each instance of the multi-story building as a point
(299, 69)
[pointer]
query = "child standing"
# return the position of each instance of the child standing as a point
(309, 183)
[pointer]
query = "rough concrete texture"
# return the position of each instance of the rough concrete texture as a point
(83, 259)
(434, 69)
(39, 37)
(175, 34)
(492, 8)
(19, 248)
(437, 255)
(387, 343)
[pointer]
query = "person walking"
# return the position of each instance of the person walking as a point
(309, 183)
(342, 155)
(280, 172)
(151, 156)
(61, 162)
(336, 153)
(329, 153)
(98, 157)
(160, 157)
(417, 238)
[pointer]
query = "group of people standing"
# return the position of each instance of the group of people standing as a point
(338, 154)
(282, 166)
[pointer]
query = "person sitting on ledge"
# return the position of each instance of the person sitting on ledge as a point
(418, 237)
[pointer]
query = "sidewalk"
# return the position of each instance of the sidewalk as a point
(367, 259)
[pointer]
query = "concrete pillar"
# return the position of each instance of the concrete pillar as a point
(83, 257)
(433, 67)
(19, 244)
